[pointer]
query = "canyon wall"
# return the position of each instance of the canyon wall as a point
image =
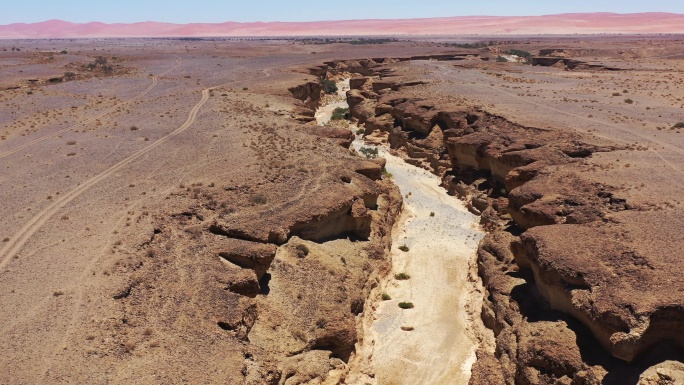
(580, 282)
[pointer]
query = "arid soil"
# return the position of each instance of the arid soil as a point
(179, 218)
(561, 162)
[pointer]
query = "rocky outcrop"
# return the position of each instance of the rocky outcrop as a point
(570, 266)
(342, 136)
(247, 255)
(570, 64)
(310, 94)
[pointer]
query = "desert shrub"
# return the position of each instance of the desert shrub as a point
(69, 75)
(432, 213)
(134, 128)
(369, 152)
(501, 59)
(616, 94)
(402, 277)
(629, 101)
(386, 173)
(100, 60)
(71, 143)
(340, 113)
(129, 346)
(360, 131)
(678, 125)
(386, 297)
(404, 248)
(329, 86)
(406, 305)
(258, 199)
(519, 52)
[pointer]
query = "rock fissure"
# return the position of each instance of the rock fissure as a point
(532, 179)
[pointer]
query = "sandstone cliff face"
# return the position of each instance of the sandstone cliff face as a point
(278, 265)
(570, 266)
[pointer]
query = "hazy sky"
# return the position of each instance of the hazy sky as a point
(185, 11)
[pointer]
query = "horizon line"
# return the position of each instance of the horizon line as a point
(342, 20)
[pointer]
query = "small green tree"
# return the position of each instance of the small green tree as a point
(369, 152)
(340, 114)
(329, 86)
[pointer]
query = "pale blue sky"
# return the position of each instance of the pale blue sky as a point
(186, 11)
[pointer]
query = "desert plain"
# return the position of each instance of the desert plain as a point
(173, 213)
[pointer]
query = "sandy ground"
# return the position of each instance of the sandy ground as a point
(434, 342)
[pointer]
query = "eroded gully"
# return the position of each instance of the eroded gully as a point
(435, 341)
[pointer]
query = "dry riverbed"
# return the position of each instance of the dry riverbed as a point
(435, 245)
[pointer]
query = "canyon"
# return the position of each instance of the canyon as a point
(194, 215)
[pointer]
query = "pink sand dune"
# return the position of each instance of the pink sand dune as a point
(583, 23)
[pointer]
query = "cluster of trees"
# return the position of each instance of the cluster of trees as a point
(101, 62)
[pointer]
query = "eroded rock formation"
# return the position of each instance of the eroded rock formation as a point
(576, 275)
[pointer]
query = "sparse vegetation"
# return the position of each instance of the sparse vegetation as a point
(329, 86)
(369, 152)
(629, 101)
(404, 248)
(472, 45)
(386, 297)
(432, 213)
(501, 59)
(386, 173)
(258, 199)
(406, 305)
(134, 128)
(360, 131)
(616, 94)
(519, 52)
(329, 40)
(340, 114)
(678, 125)
(402, 277)
(129, 346)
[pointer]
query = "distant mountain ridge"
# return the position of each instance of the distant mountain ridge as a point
(571, 23)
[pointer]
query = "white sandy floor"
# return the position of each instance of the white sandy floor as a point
(441, 347)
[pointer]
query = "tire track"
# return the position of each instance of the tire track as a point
(155, 80)
(11, 248)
